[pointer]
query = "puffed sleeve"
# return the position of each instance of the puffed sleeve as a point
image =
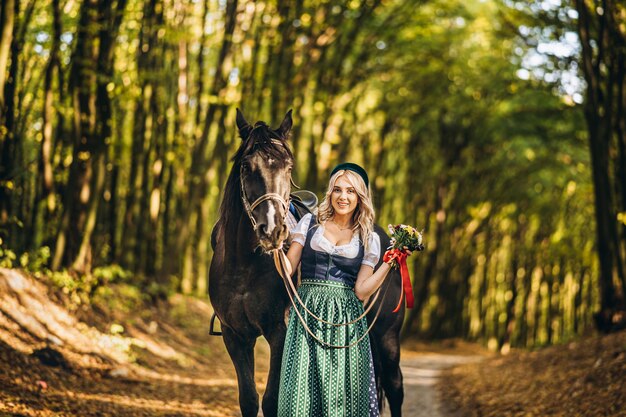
(298, 233)
(372, 255)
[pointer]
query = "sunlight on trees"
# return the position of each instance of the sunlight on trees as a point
(471, 117)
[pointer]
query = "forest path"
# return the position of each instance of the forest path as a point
(109, 360)
(155, 361)
(422, 373)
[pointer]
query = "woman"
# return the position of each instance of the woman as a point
(327, 368)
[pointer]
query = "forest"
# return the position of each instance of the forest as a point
(497, 126)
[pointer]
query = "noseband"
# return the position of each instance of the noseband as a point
(265, 197)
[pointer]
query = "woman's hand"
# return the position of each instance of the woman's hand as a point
(392, 256)
(294, 255)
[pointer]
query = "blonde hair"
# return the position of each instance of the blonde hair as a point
(363, 216)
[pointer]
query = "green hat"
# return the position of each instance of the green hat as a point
(354, 168)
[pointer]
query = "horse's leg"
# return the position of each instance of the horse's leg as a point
(241, 352)
(276, 340)
(391, 373)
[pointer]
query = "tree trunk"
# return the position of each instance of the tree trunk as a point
(113, 207)
(155, 132)
(92, 128)
(599, 109)
(200, 63)
(45, 202)
(156, 193)
(138, 187)
(82, 88)
(249, 92)
(282, 61)
(550, 278)
(203, 231)
(48, 140)
(110, 18)
(196, 186)
(620, 129)
(12, 122)
(527, 288)
(8, 11)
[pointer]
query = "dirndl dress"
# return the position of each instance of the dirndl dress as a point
(318, 380)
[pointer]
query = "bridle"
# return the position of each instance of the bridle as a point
(248, 207)
(265, 197)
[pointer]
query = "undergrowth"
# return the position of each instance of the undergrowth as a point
(109, 286)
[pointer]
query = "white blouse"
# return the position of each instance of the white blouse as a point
(350, 250)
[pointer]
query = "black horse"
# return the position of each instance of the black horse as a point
(245, 289)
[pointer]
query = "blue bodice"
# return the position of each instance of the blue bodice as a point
(318, 265)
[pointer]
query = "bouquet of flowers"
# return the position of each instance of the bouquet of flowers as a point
(404, 240)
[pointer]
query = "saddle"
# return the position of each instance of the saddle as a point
(303, 202)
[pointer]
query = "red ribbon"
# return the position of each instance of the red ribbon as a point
(400, 257)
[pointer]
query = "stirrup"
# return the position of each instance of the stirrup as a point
(212, 331)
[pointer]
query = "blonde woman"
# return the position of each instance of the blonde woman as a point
(327, 368)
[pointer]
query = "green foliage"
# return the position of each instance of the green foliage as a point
(111, 274)
(84, 289)
(34, 261)
(37, 260)
(7, 256)
(123, 298)
(76, 287)
(461, 136)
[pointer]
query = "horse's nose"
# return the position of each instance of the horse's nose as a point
(263, 232)
(280, 233)
(275, 235)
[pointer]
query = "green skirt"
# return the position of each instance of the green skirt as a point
(317, 380)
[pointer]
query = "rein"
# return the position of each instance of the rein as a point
(295, 292)
(284, 270)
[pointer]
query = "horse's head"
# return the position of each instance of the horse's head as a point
(265, 164)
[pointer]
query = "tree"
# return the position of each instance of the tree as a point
(7, 22)
(93, 55)
(603, 61)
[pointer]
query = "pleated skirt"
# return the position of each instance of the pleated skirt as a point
(321, 381)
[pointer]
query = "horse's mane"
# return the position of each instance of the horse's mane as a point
(261, 139)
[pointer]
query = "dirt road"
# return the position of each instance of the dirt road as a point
(421, 375)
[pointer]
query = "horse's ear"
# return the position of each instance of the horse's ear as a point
(285, 126)
(243, 126)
